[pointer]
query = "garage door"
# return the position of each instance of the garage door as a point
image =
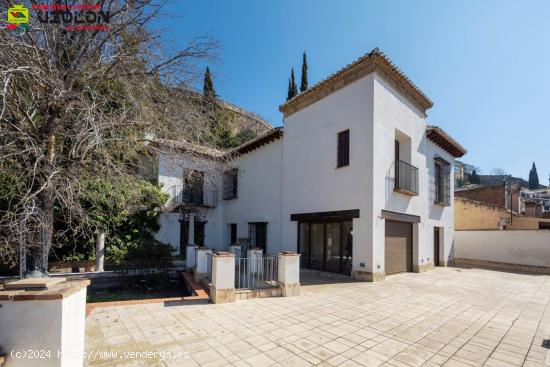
(398, 247)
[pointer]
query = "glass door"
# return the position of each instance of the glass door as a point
(317, 260)
(333, 255)
(347, 246)
(326, 246)
(304, 245)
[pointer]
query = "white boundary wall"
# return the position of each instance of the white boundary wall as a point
(527, 247)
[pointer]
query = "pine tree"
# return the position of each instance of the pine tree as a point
(533, 178)
(292, 87)
(208, 87)
(303, 84)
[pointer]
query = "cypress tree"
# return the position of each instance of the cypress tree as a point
(533, 178)
(208, 87)
(289, 92)
(474, 178)
(303, 84)
(293, 85)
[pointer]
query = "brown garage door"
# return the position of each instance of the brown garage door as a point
(398, 247)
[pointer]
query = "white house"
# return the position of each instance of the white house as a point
(355, 181)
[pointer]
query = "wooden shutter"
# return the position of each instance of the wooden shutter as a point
(343, 148)
(230, 181)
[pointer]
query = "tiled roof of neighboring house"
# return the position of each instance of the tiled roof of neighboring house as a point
(259, 141)
(185, 146)
(445, 141)
(371, 62)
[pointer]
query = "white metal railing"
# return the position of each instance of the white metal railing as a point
(256, 272)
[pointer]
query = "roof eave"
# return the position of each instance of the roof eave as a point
(439, 137)
(367, 64)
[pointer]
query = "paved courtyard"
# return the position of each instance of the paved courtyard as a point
(446, 317)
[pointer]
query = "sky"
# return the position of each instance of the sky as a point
(484, 64)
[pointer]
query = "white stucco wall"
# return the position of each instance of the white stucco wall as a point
(169, 231)
(523, 247)
(259, 195)
(311, 180)
(438, 215)
(395, 117)
(52, 326)
(171, 174)
(299, 174)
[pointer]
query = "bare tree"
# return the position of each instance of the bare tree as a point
(80, 104)
(497, 171)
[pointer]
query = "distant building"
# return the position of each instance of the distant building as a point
(475, 215)
(535, 202)
(495, 195)
(494, 180)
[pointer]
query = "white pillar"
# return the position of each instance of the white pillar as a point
(235, 250)
(222, 289)
(289, 273)
(190, 256)
(202, 262)
(191, 230)
(50, 320)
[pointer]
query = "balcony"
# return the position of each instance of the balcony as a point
(406, 178)
(193, 197)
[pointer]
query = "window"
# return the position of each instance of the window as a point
(442, 182)
(233, 235)
(193, 180)
(343, 148)
(193, 192)
(258, 234)
(230, 180)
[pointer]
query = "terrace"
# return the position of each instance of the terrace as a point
(448, 317)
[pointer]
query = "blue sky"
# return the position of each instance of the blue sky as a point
(485, 64)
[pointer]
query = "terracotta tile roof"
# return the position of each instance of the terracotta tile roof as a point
(185, 146)
(370, 62)
(445, 141)
(259, 141)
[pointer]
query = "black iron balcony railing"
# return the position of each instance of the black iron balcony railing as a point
(193, 197)
(406, 178)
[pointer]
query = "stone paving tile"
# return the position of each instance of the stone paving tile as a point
(445, 317)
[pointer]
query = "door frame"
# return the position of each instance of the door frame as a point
(437, 254)
(341, 239)
(410, 261)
